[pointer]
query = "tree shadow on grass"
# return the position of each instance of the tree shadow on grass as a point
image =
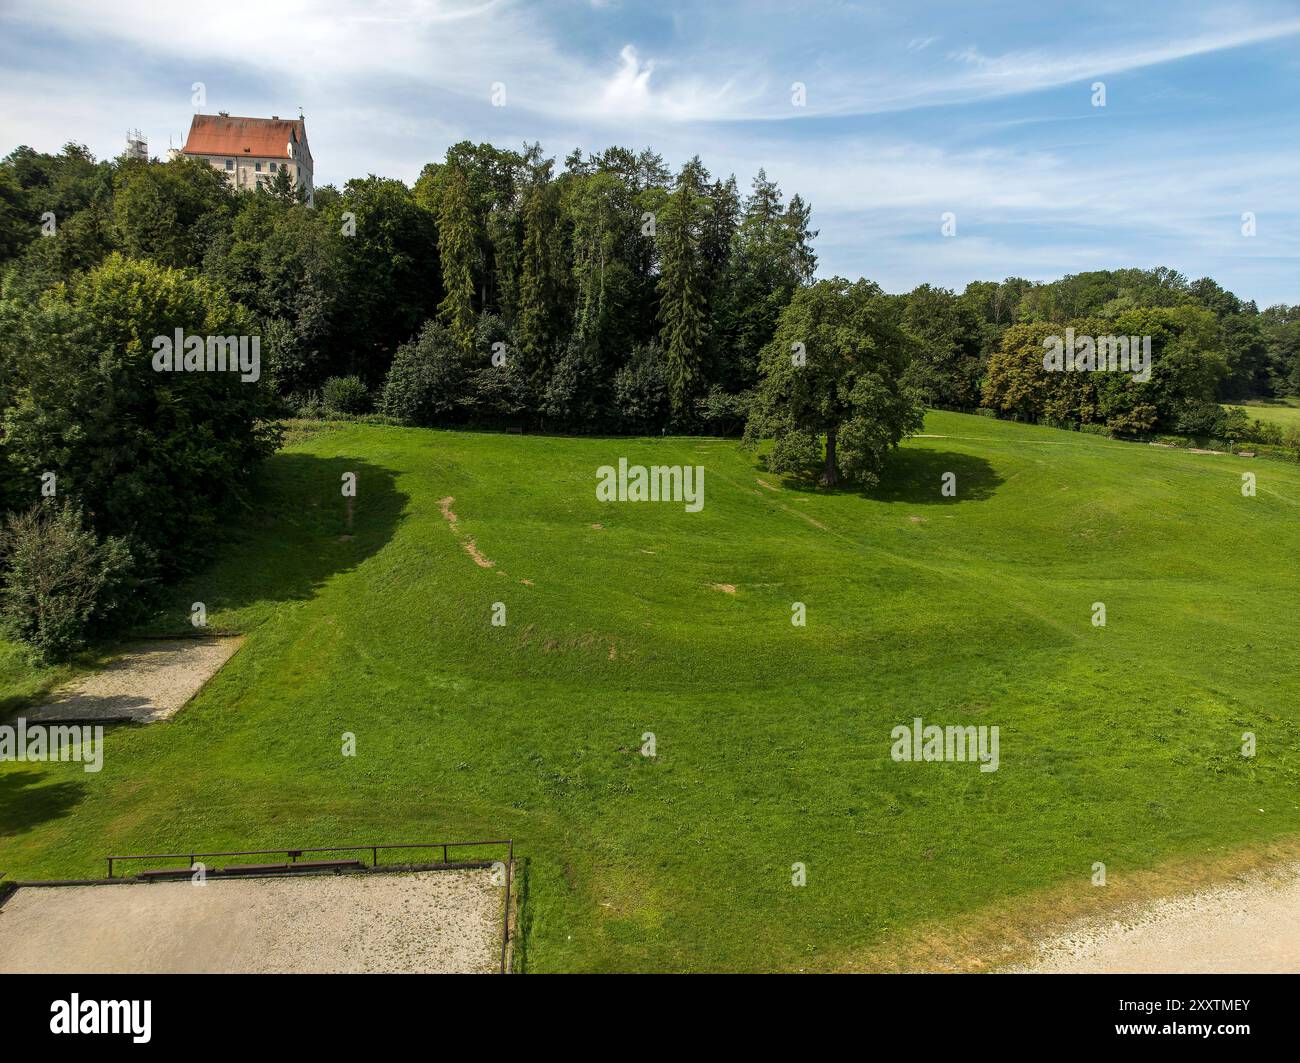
(916, 475)
(47, 678)
(300, 532)
(26, 804)
(295, 536)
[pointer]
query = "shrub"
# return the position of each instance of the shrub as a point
(60, 581)
(1264, 450)
(1063, 423)
(1256, 431)
(498, 393)
(287, 366)
(1136, 421)
(724, 413)
(309, 406)
(576, 395)
(1203, 419)
(1266, 432)
(159, 457)
(345, 394)
(428, 382)
(641, 391)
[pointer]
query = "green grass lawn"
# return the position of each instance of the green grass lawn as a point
(1285, 412)
(1119, 744)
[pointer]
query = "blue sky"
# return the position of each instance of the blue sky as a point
(912, 110)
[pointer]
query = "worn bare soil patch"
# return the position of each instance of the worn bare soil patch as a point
(469, 545)
(472, 549)
(421, 922)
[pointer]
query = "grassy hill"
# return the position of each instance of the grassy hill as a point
(1119, 744)
(1284, 412)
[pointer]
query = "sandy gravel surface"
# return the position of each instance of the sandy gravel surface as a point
(424, 921)
(149, 681)
(1252, 925)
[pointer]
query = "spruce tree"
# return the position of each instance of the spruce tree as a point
(682, 286)
(800, 257)
(457, 249)
(540, 288)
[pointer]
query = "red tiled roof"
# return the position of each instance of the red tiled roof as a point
(219, 134)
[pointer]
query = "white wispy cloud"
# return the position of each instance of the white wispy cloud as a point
(464, 46)
(388, 84)
(1029, 71)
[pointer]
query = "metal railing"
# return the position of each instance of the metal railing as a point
(373, 850)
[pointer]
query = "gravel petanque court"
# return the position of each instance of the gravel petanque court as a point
(144, 683)
(436, 922)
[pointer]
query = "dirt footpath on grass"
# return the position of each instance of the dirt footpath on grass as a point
(1250, 926)
(418, 922)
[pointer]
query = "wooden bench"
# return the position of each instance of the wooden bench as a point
(317, 865)
(301, 865)
(257, 869)
(167, 872)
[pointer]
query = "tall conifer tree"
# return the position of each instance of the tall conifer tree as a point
(683, 285)
(457, 249)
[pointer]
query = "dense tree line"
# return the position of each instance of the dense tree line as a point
(615, 294)
(608, 294)
(613, 284)
(985, 348)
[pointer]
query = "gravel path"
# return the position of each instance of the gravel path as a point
(423, 922)
(1250, 926)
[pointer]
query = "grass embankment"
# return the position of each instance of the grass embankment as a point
(1119, 744)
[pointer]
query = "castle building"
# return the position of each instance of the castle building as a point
(252, 151)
